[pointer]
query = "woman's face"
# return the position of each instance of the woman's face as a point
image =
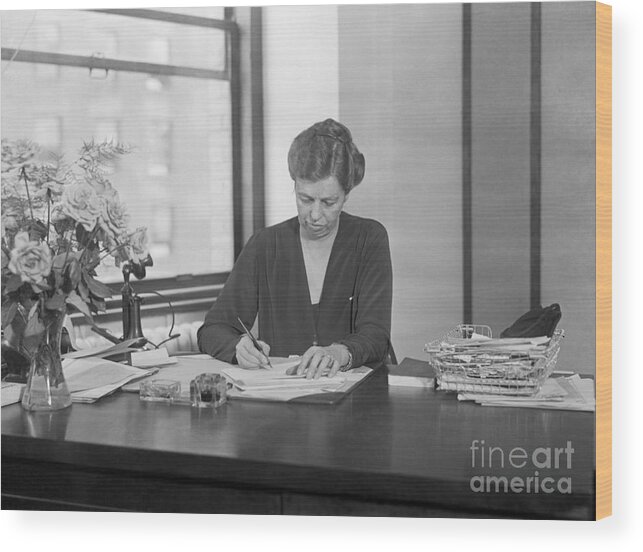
(319, 205)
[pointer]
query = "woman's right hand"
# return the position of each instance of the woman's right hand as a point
(247, 355)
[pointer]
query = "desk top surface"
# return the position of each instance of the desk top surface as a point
(379, 443)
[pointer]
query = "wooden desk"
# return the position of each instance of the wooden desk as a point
(381, 451)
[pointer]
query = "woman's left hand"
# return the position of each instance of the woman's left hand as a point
(322, 361)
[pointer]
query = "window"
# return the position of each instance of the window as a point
(159, 80)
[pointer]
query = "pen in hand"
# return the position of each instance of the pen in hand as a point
(254, 341)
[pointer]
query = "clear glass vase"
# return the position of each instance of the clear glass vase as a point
(46, 389)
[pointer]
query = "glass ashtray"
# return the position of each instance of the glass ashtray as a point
(160, 390)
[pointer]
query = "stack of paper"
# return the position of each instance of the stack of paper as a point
(105, 350)
(563, 393)
(152, 358)
(514, 344)
(277, 383)
(89, 379)
(11, 393)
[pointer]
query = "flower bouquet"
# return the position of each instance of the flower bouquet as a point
(60, 220)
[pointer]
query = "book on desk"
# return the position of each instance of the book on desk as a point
(411, 373)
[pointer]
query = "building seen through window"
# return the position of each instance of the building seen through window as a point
(177, 180)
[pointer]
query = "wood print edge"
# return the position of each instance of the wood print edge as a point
(603, 260)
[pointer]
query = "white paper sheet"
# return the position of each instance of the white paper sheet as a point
(11, 393)
(563, 393)
(260, 383)
(89, 379)
(184, 371)
(103, 350)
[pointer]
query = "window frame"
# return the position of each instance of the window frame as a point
(187, 291)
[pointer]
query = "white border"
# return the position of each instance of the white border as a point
(91, 532)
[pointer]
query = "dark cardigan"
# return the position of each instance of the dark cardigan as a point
(269, 280)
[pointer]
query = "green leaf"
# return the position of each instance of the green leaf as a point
(92, 257)
(83, 291)
(37, 230)
(39, 288)
(75, 301)
(80, 233)
(13, 336)
(8, 314)
(21, 318)
(13, 283)
(59, 261)
(27, 295)
(63, 225)
(14, 332)
(34, 326)
(57, 302)
(99, 305)
(32, 336)
(72, 276)
(96, 288)
(33, 310)
(5, 259)
(58, 278)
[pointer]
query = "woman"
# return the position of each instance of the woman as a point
(321, 282)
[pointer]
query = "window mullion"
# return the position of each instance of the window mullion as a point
(170, 17)
(92, 62)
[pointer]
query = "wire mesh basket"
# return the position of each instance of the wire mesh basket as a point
(468, 360)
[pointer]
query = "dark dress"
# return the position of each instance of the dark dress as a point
(269, 280)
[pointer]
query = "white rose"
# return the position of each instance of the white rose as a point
(100, 184)
(139, 244)
(113, 217)
(81, 203)
(30, 260)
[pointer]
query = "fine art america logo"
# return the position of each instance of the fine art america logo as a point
(557, 460)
